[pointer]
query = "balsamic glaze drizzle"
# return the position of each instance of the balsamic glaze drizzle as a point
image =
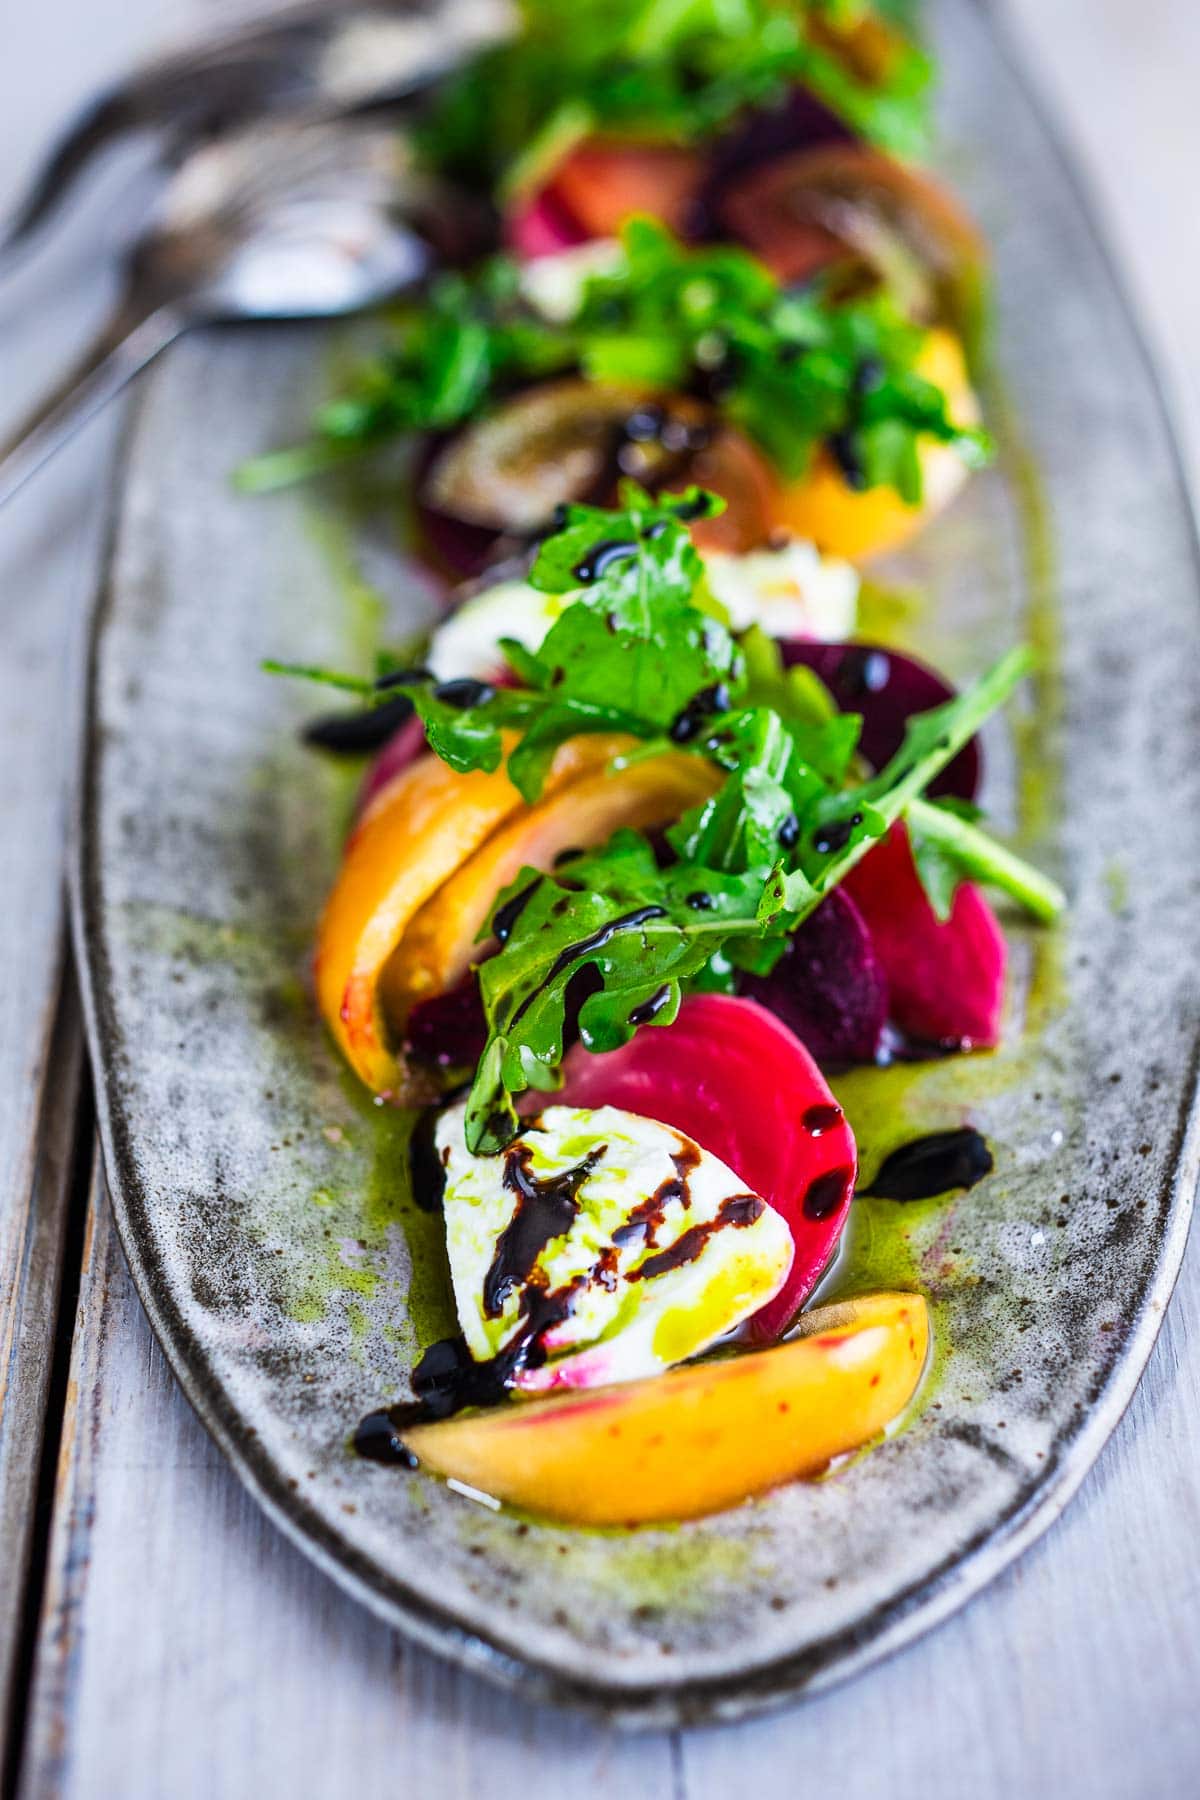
(836, 835)
(545, 1210)
(361, 731)
(650, 1009)
(506, 916)
(601, 557)
(464, 693)
(585, 946)
(825, 1193)
(689, 722)
(426, 1168)
(817, 1120)
(937, 1164)
(739, 1210)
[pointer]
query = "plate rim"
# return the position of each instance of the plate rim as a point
(891, 1624)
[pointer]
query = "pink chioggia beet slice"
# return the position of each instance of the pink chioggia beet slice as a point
(730, 1076)
(828, 986)
(945, 981)
(542, 227)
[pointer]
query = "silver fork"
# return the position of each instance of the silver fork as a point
(282, 221)
(330, 56)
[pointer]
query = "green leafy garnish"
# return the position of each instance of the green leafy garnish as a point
(673, 70)
(610, 937)
(793, 370)
(622, 939)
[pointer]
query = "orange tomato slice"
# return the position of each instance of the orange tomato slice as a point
(436, 950)
(411, 839)
(702, 1437)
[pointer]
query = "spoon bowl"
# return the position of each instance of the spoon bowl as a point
(313, 218)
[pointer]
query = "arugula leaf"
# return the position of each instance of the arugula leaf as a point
(633, 640)
(644, 933)
(841, 826)
(635, 929)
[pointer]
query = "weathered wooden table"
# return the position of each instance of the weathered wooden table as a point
(157, 1637)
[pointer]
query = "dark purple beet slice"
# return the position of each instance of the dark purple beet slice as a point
(887, 688)
(829, 986)
(450, 544)
(449, 1031)
(798, 122)
(453, 546)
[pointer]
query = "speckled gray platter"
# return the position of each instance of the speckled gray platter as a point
(262, 1203)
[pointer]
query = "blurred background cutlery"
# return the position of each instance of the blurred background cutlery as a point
(332, 58)
(290, 194)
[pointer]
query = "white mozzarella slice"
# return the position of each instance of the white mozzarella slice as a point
(791, 591)
(620, 1242)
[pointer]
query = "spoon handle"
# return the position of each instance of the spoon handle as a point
(131, 339)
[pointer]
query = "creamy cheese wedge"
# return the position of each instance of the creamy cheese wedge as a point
(468, 641)
(791, 591)
(612, 1244)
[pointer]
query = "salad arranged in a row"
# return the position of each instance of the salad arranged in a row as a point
(629, 890)
(701, 272)
(649, 843)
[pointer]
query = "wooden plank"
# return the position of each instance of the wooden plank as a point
(188, 1649)
(34, 1225)
(49, 541)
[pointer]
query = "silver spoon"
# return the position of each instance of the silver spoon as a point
(283, 221)
(327, 56)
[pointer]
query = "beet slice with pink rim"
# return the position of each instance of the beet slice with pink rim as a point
(945, 980)
(829, 986)
(732, 1077)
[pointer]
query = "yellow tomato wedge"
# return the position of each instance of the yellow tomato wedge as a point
(861, 522)
(700, 1438)
(411, 839)
(437, 948)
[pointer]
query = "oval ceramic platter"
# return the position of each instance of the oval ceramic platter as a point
(264, 1204)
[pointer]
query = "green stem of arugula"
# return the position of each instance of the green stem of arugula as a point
(283, 468)
(979, 701)
(983, 858)
(330, 678)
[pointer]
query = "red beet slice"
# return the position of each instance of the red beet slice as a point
(766, 133)
(887, 688)
(450, 545)
(828, 986)
(449, 1030)
(945, 981)
(732, 1077)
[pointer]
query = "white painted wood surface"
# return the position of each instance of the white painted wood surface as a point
(184, 1648)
